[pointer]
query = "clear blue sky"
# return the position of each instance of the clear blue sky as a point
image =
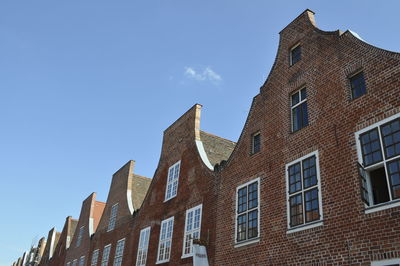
(86, 86)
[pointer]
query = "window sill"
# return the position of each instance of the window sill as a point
(187, 256)
(304, 227)
(247, 242)
(162, 261)
(169, 199)
(383, 206)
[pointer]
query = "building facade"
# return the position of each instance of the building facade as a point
(314, 178)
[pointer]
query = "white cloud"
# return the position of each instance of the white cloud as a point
(206, 75)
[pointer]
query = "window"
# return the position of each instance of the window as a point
(247, 211)
(299, 109)
(172, 181)
(68, 263)
(106, 255)
(303, 191)
(357, 84)
(80, 235)
(82, 261)
(295, 54)
(95, 258)
(255, 142)
(164, 245)
(113, 217)
(74, 262)
(119, 252)
(379, 161)
(192, 229)
(143, 246)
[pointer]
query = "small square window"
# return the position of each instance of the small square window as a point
(295, 54)
(255, 143)
(357, 84)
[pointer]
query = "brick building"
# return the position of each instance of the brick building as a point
(314, 178)
(89, 218)
(51, 243)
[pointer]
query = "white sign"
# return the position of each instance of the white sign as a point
(200, 255)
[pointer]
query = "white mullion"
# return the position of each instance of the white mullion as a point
(384, 162)
(303, 200)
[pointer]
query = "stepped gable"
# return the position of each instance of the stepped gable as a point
(52, 241)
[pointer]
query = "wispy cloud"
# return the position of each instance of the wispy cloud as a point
(207, 74)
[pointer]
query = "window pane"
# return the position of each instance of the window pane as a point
(391, 138)
(296, 210)
(371, 147)
(303, 93)
(295, 98)
(309, 172)
(304, 115)
(256, 143)
(295, 55)
(241, 230)
(253, 224)
(253, 191)
(294, 178)
(311, 202)
(242, 200)
(358, 87)
(394, 175)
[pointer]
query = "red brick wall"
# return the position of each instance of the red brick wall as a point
(348, 235)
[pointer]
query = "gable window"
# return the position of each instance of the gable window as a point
(113, 217)
(192, 229)
(357, 84)
(299, 109)
(295, 54)
(143, 246)
(379, 161)
(172, 181)
(303, 191)
(95, 258)
(82, 261)
(164, 245)
(119, 252)
(247, 211)
(255, 142)
(106, 255)
(80, 235)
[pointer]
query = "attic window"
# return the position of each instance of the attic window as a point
(295, 54)
(358, 87)
(255, 143)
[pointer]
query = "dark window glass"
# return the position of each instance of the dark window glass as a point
(241, 224)
(253, 198)
(256, 143)
(253, 223)
(391, 138)
(309, 172)
(299, 110)
(358, 87)
(371, 147)
(295, 55)
(394, 175)
(294, 178)
(311, 202)
(296, 210)
(242, 200)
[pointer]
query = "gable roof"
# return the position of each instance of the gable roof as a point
(216, 148)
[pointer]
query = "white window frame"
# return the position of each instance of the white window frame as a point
(253, 239)
(291, 53)
(82, 261)
(385, 262)
(95, 258)
(143, 246)
(304, 226)
(171, 189)
(68, 263)
(119, 252)
(385, 205)
(113, 217)
(106, 255)
(165, 240)
(75, 262)
(80, 235)
(192, 231)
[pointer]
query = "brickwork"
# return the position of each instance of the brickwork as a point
(348, 235)
(87, 224)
